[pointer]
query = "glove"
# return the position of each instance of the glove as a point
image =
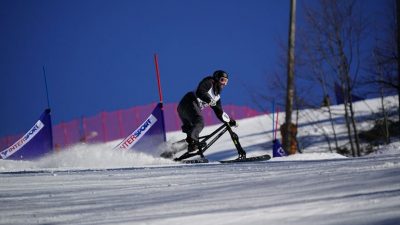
(212, 103)
(233, 123)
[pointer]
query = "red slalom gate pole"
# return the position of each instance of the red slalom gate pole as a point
(160, 94)
(158, 78)
(277, 118)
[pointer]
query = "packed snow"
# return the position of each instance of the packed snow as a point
(92, 184)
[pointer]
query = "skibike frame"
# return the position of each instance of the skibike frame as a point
(217, 133)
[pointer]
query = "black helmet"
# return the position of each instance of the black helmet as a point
(218, 74)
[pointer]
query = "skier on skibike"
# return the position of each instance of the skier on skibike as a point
(190, 107)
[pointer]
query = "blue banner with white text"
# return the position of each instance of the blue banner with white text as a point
(36, 143)
(149, 135)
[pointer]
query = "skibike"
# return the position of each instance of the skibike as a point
(206, 142)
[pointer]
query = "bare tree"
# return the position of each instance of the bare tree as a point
(381, 89)
(334, 31)
(384, 71)
(318, 75)
(397, 33)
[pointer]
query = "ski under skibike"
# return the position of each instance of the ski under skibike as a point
(206, 142)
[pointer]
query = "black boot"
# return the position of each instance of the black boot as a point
(195, 146)
(192, 147)
(192, 144)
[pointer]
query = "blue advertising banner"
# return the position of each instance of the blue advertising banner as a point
(149, 135)
(277, 150)
(37, 142)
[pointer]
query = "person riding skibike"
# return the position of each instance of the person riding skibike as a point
(190, 107)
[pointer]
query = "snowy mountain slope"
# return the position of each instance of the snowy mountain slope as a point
(339, 191)
(89, 184)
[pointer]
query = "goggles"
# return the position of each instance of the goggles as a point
(223, 80)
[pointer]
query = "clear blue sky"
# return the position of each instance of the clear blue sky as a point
(98, 54)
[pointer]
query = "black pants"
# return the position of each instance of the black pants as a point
(190, 114)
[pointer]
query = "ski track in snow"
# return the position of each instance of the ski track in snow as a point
(89, 184)
(337, 191)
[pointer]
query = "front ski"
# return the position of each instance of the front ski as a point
(249, 159)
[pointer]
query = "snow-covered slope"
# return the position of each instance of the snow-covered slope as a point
(91, 184)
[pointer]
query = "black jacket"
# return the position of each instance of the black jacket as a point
(207, 90)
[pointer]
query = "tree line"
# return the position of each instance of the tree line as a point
(340, 44)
